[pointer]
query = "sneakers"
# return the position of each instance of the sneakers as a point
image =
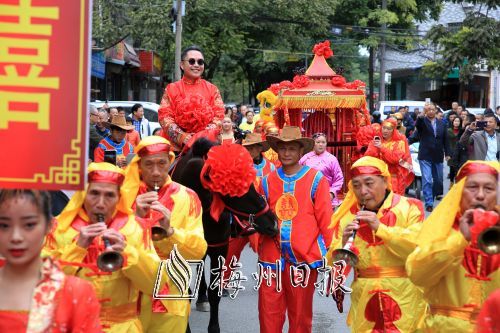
(428, 208)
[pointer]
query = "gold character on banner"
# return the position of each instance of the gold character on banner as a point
(32, 54)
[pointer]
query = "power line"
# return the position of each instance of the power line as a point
(299, 53)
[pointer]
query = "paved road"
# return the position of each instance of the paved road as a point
(241, 314)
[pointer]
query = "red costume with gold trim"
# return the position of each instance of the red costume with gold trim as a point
(185, 219)
(59, 304)
(302, 205)
(177, 93)
(383, 299)
(118, 292)
(455, 275)
(395, 153)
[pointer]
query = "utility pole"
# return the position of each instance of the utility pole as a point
(370, 80)
(382, 58)
(178, 40)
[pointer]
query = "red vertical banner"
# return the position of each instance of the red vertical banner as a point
(44, 91)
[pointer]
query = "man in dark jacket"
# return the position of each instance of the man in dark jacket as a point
(433, 147)
(408, 121)
(94, 137)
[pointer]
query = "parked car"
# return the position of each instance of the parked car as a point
(387, 107)
(150, 110)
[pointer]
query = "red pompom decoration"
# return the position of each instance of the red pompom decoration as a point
(300, 81)
(193, 114)
(338, 81)
(274, 88)
(230, 170)
(356, 84)
(323, 49)
(286, 85)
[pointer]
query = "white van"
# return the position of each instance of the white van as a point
(150, 110)
(387, 107)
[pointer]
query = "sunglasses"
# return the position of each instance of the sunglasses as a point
(192, 61)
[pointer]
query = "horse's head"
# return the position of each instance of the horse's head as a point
(252, 207)
(229, 174)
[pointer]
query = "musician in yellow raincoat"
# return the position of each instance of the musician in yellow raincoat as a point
(152, 194)
(77, 241)
(455, 275)
(383, 299)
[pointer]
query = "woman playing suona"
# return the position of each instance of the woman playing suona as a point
(36, 295)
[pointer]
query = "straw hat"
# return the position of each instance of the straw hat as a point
(290, 134)
(119, 121)
(255, 139)
(398, 116)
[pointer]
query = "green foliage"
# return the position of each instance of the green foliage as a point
(234, 35)
(400, 17)
(147, 22)
(475, 41)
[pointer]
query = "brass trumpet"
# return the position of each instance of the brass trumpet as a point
(488, 240)
(157, 232)
(108, 261)
(345, 253)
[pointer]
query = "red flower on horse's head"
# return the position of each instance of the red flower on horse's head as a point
(323, 49)
(228, 170)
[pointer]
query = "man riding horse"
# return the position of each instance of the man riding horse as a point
(191, 104)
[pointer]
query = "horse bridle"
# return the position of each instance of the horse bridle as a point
(250, 216)
(251, 221)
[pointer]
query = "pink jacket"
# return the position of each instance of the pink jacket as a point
(329, 167)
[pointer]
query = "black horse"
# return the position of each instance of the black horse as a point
(250, 208)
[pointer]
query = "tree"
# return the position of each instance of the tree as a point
(232, 34)
(235, 35)
(476, 41)
(365, 18)
(146, 22)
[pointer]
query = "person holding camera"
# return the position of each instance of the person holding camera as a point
(482, 139)
(115, 147)
(392, 148)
